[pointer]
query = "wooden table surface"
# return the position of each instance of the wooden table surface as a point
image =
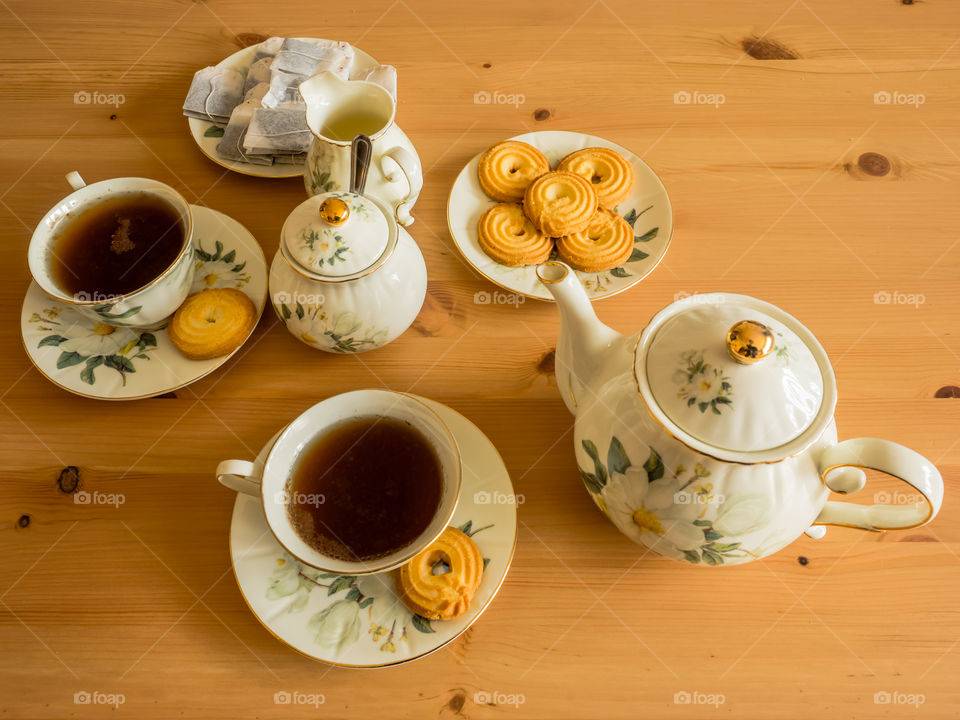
(773, 195)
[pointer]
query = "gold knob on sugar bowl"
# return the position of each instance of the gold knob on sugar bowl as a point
(334, 211)
(749, 341)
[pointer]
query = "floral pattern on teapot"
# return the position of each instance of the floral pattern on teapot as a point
(645, 501)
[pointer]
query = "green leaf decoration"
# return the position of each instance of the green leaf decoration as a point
(285, 312)
(724, 547)
(354, 593)
(466, 527)
(87, 373)
(617, 460)
(104, 312)
(119, 363)
(703, 406)
(229, 257)
(341, 583)
(147, 340)
(648, 235)
(691, 556)
(142, 356)
(637, 254)
(202, 254)
(703, 523)
(710, 557)
(327, 576)
(590, 480)
(365, 602)
(300, 311)
(52, 340)
(240, 266)
(620, 272)
(422, 624)
(653, 466)
(599, 470)
(68, 359)
(631, 217)
(213, 131)
(711, 534)
(486, 561)
(691, 401)
(219, 249)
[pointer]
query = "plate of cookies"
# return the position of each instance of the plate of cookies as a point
(389, 618)
(106, 362)
(557, 195)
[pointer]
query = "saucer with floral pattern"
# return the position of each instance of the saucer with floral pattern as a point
(359, 621)
(101, 361)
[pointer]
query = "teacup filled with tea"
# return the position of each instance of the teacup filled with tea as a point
(359, 483)
(119, 251)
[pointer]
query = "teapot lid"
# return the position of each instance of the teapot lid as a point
(736, 375)
(337, 234)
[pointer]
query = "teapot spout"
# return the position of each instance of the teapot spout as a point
(584, 343)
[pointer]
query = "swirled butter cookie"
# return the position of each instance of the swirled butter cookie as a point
(560, 203)
(607, 170)
(508, 236)
(212, 323)
(606, 243)
(507, 168)
(444, 596)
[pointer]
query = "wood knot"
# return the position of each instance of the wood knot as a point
(435, 314)
(541, 114)
(69, 480)
(948, 391)
(906, 2)
(247, 39)
(487, 65)
(803, 560)
(457, 701)
(873, 164)
(760, 48)
(23, 521)
(548, 363)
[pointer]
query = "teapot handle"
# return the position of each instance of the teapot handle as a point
(890, 458)
(408, 164)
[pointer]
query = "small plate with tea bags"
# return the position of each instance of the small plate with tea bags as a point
(246, 114)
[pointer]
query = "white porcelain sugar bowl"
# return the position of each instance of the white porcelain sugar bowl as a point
(347, 278)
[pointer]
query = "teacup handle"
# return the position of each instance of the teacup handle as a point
(76, 182)
(890, 458)
(409, 165)
(239, 475)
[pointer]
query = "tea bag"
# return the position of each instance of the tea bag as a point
(383, 75)
(231, 144)
(278, 131)
(257, 93)
(283, 88)
(305, 58)
(213, 94)
(268, 48)
(258, 72)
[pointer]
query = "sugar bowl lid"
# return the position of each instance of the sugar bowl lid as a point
(740, 378)
(337, 234)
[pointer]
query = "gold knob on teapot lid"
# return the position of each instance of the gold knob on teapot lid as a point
(749, 341)
(334, 211)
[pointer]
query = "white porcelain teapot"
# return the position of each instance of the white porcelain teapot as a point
(337, 110)
(709, 435)
(347, 278)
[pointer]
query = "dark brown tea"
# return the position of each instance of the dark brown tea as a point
(116, 246)
(364, 489)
